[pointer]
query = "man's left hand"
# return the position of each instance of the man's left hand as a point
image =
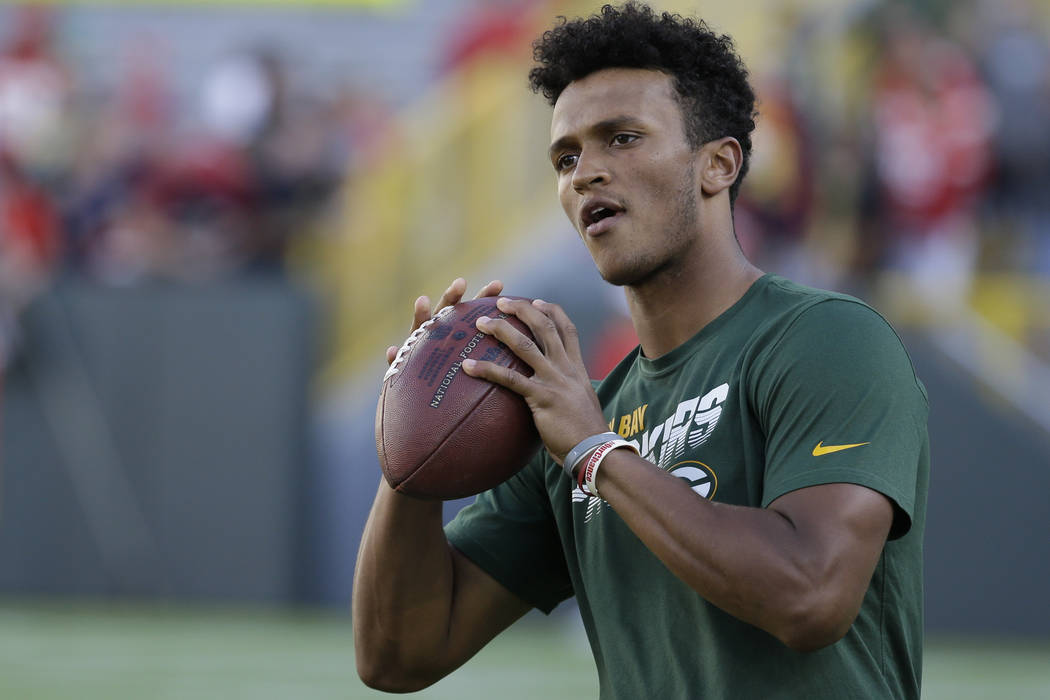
(559, 393)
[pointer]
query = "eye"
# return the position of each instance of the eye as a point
(566, 161)
(624, 139)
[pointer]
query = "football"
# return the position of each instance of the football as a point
(440, 433)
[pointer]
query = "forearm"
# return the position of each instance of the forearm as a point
(403, 586)
(754, 563)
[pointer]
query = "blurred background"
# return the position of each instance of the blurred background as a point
(214, 219)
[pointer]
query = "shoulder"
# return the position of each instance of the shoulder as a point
(789, 302)
(830, 332)
(779, 309)
(797, 314)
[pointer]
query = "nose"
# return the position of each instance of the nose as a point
(590, 170)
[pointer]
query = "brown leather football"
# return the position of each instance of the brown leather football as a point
(440, 433)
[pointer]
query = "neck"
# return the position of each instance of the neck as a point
(674, 305)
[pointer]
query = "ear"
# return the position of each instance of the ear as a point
(719, 162)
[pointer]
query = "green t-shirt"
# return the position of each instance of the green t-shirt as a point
(745, 411)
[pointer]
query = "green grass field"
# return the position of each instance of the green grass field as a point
(87, 652)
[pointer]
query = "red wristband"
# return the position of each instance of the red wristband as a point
(589, 471)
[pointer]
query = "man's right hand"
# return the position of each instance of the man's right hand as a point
(423, 311)
(420, 608)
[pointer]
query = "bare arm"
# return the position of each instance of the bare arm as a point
(797, 569)
(420, 608)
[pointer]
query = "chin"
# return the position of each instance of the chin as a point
(633, 272)
(627, 277)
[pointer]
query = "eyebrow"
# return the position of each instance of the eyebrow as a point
(604, 126)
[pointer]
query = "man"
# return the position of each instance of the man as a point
(757, 531)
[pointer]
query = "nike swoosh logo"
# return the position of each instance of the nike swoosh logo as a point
(822, 449)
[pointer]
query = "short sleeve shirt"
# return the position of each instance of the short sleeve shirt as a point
(790, 387)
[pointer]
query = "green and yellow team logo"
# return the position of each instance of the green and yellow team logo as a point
(700, 477)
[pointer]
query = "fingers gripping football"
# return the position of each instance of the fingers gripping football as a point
(559, 393)
(566, 331)
(440, 433)
(422, 311)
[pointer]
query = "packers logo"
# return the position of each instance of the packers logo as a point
(698, 475)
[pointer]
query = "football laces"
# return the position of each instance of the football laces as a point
(399, 358)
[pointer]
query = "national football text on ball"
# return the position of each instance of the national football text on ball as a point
(454, 369)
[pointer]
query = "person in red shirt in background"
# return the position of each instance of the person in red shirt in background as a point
(34, 87)
(931, 131)
(29, 246)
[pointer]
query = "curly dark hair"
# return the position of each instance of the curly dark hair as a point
(710, 80)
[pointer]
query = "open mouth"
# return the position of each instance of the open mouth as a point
(597, 212)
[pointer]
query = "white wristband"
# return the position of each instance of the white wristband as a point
(589, 473)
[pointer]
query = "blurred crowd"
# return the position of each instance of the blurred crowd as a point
(119, 186)
(927, 153)
(924, 152)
